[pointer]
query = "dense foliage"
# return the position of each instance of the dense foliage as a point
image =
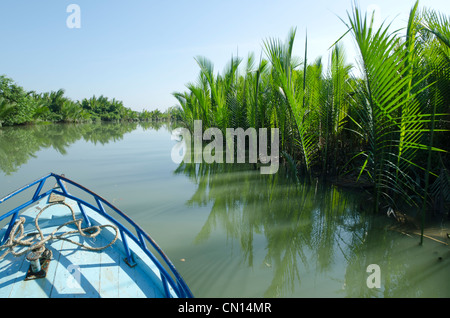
(385, 128)
(18, 106)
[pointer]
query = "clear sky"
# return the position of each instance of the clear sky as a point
(141, 51)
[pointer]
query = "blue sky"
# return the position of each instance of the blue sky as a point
(141, 51)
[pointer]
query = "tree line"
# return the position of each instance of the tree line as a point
(18, 107)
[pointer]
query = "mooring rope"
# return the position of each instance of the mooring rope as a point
(17, 237)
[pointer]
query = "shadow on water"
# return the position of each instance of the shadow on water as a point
(20, 143)
(318, 239)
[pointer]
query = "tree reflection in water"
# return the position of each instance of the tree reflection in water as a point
(309, 229)
(302, 234)
(18, 144)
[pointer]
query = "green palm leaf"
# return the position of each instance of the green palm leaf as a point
(280, 56)
(388, 110)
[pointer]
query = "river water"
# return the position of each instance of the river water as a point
(229, 230)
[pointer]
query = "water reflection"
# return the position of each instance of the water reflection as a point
(310, 230)
(293, 239)
(19, 144)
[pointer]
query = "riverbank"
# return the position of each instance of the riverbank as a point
(385, 129)
(21, 107)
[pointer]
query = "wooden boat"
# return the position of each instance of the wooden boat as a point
(68, 241)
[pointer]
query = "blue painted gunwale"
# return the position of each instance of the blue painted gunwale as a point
(132, 247)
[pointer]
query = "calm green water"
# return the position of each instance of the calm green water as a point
(230, 231)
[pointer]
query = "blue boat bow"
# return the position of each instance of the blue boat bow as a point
(130, 262)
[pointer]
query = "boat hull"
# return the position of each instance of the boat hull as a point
(81, 265)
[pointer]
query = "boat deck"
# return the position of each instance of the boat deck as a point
(74, 271)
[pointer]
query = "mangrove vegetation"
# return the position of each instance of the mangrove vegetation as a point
(380, 123)
(19, 107)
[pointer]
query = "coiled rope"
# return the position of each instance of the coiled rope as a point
(17, 237)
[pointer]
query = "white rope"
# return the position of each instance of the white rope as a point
(17, 237)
